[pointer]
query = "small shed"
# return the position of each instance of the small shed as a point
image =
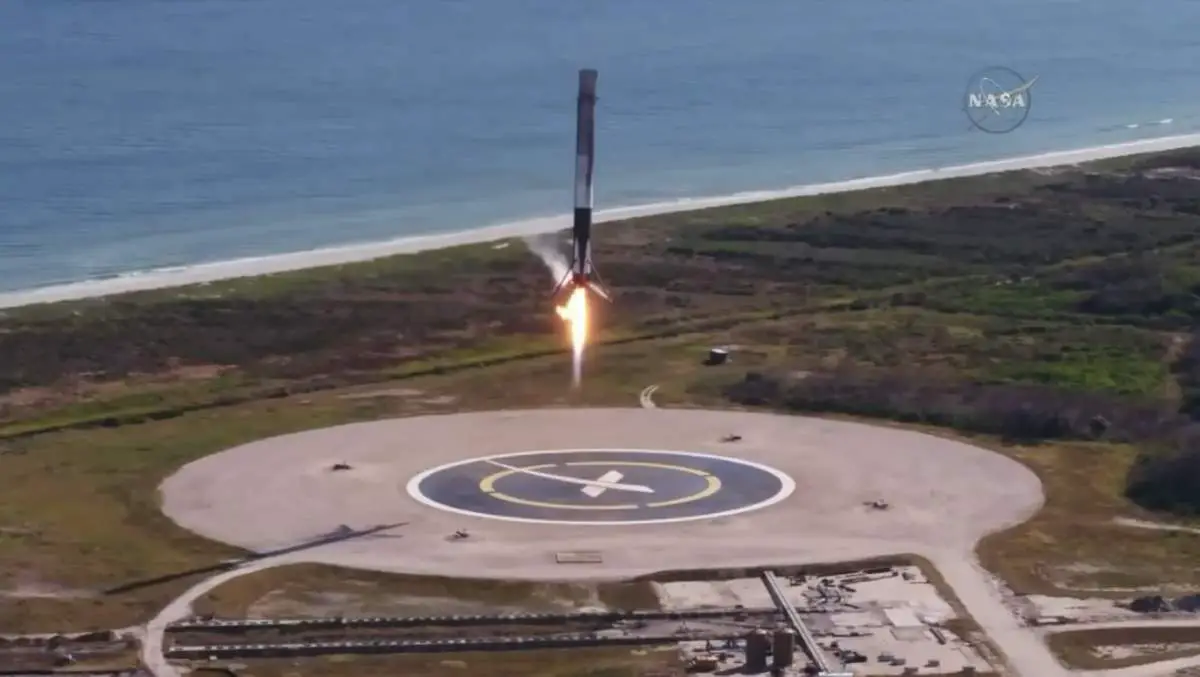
(717, 356)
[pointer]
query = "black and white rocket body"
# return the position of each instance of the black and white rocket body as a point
(582, 272)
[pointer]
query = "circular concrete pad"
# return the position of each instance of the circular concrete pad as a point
(601, 487)
(281, 492)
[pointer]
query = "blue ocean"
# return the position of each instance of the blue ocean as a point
(137, 135)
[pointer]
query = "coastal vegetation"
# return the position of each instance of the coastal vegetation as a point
(1049, 314)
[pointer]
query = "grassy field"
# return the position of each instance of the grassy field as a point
(1076, 281)
(1073, 547)
(1094, 649)
(314, 590)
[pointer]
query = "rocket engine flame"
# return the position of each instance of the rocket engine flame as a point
(575, 314)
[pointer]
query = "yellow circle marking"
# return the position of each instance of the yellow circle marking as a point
(712, 485)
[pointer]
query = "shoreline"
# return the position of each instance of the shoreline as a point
(204, 273)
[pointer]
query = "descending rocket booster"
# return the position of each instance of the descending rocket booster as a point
(582, 273)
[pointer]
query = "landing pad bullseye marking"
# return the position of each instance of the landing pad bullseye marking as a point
(536, 471)
(611, 489)
(610, 477)
(487, 485)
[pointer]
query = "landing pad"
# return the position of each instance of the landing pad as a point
(587, 493)
(601, 487)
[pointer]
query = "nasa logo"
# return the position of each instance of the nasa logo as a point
(998, 99)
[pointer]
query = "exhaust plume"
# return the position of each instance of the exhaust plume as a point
(545, 247)
(574, 313)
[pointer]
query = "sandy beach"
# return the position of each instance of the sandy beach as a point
(353, 253)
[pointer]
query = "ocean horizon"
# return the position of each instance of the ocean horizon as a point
(153, 144)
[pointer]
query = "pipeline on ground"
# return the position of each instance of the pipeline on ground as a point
(337, 622)
(283, 649)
